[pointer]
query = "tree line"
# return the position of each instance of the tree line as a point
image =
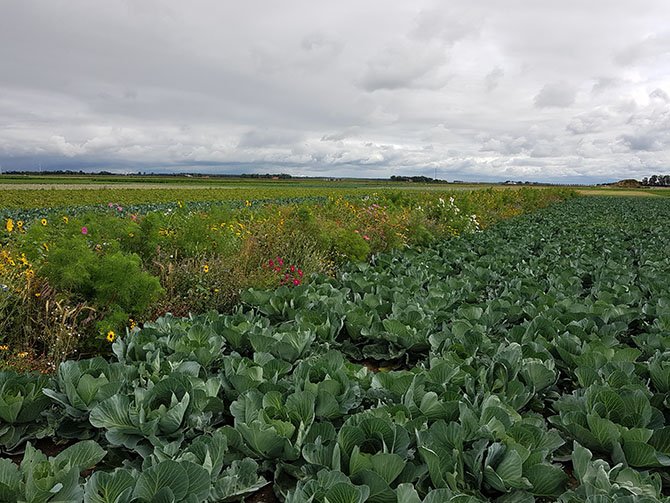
(657, 181)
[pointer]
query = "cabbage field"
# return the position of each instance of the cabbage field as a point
(529, 362)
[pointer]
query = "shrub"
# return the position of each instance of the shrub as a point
(105, 276)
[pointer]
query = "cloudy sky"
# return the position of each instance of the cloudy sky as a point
(487, 90)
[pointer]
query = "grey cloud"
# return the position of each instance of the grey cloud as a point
(548, 149)
(266, 138)
(342, 135)
(320, 43)
(404, 67)
(642, 142)
(557, 94)
(651, 47)
(342, 87)
(447, 22)
(660, 94)
(625, 106)
(334, 137)
(586, 123)
(507, 145)
(603, 84)
(492, 78)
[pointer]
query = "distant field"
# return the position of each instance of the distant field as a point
(660, 192)
(58, 191)
(33, 192)
(185, 181)
(610, 191)
(617, 192)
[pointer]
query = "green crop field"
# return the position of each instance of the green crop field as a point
(24, 192)
(527, 362)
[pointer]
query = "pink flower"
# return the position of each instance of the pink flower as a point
(296, 282)
(271, 263)
(133, 218)
(292, 268)
(119, 208)
(300, 272)
(111, 205)
(84, 230)
(280, 260)
(366, 237)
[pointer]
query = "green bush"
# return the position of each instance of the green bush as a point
(106, 277)
(346, 244)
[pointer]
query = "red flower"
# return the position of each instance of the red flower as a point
(271, 263)
(300, 272)
(296, 282)
(292, 268)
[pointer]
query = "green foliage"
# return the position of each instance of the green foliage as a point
(22, 408)
(103, 265)
(345, 244)
(524, 363)
(110, 278)
(40, 479)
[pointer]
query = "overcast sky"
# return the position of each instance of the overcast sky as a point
(560, 91)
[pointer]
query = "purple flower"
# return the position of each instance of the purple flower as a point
(84, 230)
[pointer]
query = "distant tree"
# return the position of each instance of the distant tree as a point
(657, 181)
